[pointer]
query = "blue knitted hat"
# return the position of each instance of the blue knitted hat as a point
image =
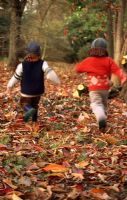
(99, 43)
(33, 48)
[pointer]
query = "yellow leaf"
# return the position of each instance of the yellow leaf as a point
(125, 56)
(82, 164)
(78, 176)
(76, 94)
(15, 197)
(80, 87)
(86, 115)
(123, 61)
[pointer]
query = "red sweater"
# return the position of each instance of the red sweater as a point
(99, 71)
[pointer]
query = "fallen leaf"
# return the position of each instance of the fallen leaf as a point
(15, 197)
(115, 187)
(78, 176)
(9, 182)
(99, 193)
(60, 175)
(102, 178)
(55, 168)
(26, 181)
(3, 147)
(109, 139)
(82, 164)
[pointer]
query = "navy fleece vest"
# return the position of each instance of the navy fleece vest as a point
(32, 82)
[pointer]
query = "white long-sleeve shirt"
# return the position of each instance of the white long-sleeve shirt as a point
(50, 74)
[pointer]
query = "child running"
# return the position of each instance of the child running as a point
(99, 68)
(31, 73)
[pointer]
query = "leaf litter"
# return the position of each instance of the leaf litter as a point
(64, 156)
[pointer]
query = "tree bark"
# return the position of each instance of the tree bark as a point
(110, 30)
(118, 37)
(17, 8)
(118, 32)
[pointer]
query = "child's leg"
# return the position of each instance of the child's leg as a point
(98, 104)
(35, 102)
(26, 104)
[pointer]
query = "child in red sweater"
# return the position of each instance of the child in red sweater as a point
(99, 68)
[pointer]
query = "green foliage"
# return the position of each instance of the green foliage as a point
(84, 26)
(17, 162)
(77, 3)
(82, 156)
(5, 139)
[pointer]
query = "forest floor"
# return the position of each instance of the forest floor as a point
(64, 156)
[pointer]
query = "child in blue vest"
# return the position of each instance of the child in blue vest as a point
(31, 73)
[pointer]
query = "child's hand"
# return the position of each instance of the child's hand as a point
(8, 92)
(51, 75)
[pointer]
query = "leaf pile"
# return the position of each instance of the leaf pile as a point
(64, 156)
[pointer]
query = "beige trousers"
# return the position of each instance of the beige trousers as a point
(98, 103)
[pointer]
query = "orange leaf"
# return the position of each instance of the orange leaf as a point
(97, 190)
(99, 193)
(55, 168)
(38, 148)
(60, 175)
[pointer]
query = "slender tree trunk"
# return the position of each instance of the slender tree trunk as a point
(110, 31)
(17, 8)
(124, 33)
(118, 33)
(118, 37)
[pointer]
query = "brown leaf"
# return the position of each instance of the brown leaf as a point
(24, 180)
(3, 147)
(8, 181)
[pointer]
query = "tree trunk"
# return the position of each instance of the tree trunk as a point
(17, 8)
(124, 52)
(118, 32)
(110, 30)
(118, 37)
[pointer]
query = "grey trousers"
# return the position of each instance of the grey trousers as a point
(98, 103)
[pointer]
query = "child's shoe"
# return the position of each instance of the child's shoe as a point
(102, 124)
(29, 114)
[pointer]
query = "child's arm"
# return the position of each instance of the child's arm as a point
(50, 73)
(115, 69)
(84, 66)
(80, 67)
(14, 79)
